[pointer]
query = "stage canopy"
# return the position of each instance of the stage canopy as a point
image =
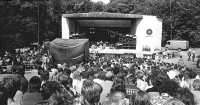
(102, 15)
(103, 19)
(70, 51)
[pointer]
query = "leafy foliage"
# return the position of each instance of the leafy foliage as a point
(20, 19)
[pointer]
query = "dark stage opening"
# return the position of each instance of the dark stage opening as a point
(104, 34)
(111, 35)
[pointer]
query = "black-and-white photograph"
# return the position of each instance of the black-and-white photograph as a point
(99, 52)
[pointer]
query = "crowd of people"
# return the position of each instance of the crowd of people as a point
(101, 81)
(29, 57)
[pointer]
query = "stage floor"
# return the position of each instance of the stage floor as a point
(124, 53)
(120, 51)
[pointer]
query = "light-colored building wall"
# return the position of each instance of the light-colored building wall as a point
(139, 36)
(68, 26)
(65, 28)
(133, 27)
(143, 39)
(158, 37)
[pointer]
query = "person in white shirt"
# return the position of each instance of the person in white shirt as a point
(84, 75)
(76, 78)
(141, 84)
(106, 85)
(53, 72)
(44, 61)
(100, 78)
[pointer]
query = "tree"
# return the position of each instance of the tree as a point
(183, 17)
(120, 6)
(19, 19)
(14, 25)
(187, 21)
(98, 7)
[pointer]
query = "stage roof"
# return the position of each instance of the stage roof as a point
(102, 15)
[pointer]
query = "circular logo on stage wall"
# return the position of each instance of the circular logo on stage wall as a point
(149, 32)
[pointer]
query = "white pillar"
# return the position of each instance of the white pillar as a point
(65, 28)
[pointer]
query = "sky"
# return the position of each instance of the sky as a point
(105, 1)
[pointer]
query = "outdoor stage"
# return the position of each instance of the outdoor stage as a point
(123, 52)
(135, 32)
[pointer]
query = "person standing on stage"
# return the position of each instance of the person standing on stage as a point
(189, 54)
(193, 56)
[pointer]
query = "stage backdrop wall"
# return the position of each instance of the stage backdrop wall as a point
(71, 51)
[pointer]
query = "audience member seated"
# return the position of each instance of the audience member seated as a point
(173, 101)
(53, 72)
(116, 98)
(20, 70)
(58, 96)
(66, 83)
(79, 84)
(131, 87)
(32, 96)
(101, 77)
(123, 73)
(67, 72)
(196, 92)
(185, 95)
(44, 76)
(58, 99)
(141, 84)
(10, 86)
(140, 98)
(106, 80)
(49, 88)
(118, 80)
(117, 93)
(40, 69)
(167, 91)
(90, 94)
(106, 85)
(76, 77)
(55, 99)
(156, 80)
(187, 76)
